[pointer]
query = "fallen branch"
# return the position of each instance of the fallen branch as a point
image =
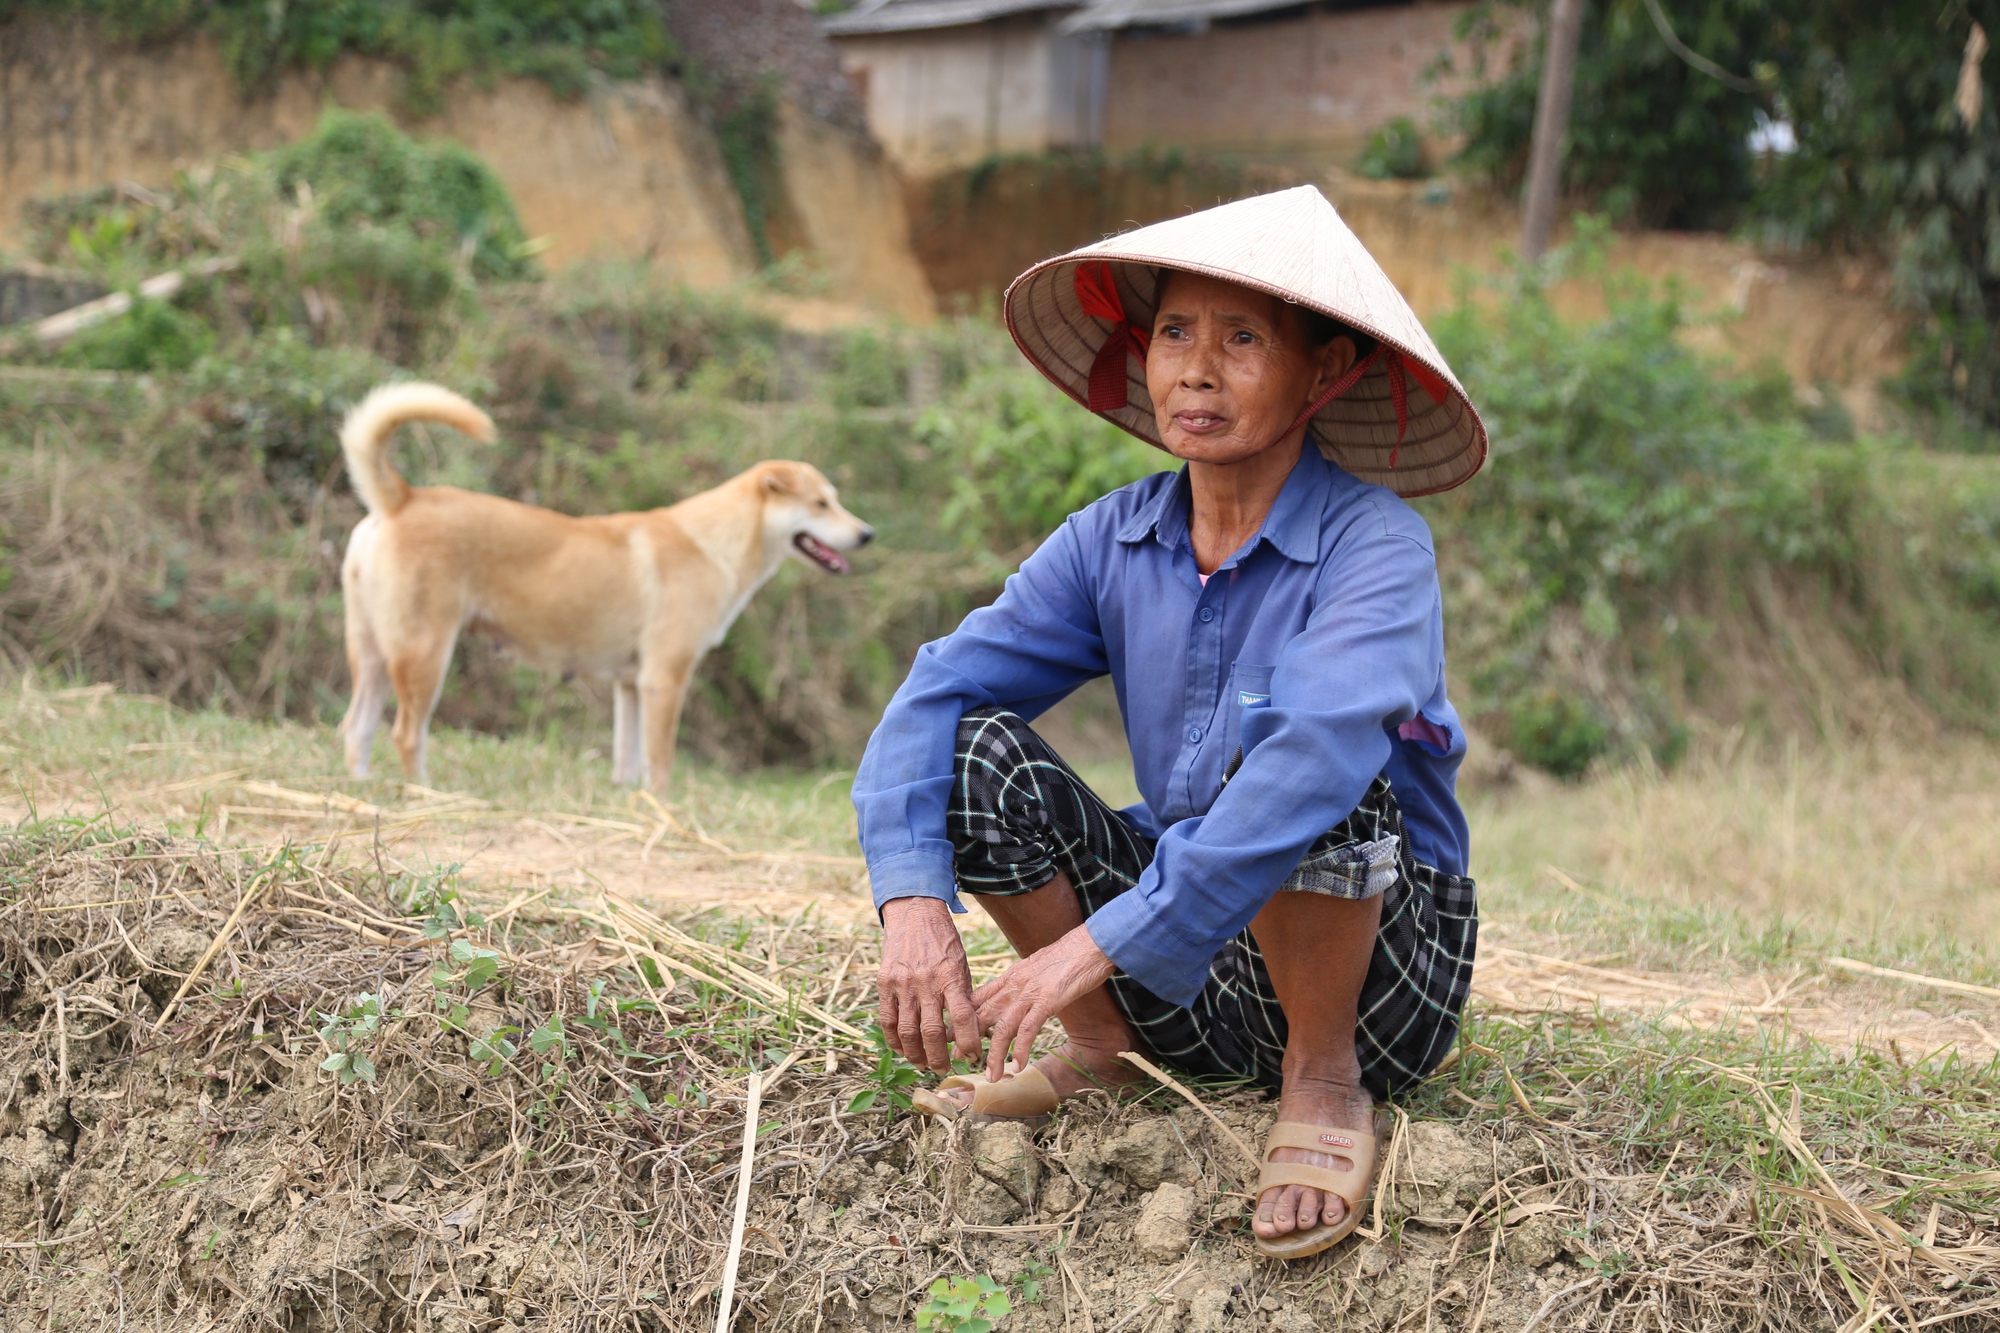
(63, 325)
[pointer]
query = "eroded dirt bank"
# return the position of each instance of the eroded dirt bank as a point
(629, 172)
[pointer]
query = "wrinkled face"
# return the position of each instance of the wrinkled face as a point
(802, 510)
(1230, 368)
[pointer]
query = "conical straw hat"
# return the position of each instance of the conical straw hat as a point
(1092, 309)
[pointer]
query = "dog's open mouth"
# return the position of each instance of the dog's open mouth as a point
(817, 551)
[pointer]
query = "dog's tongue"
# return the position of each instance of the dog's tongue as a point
(833, 560)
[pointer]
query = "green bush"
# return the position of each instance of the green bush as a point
(1556, 733)
(152, 335)
(1395, 151)
(1023, 456)
(1636, 492)
(356, 234)
(366, 176)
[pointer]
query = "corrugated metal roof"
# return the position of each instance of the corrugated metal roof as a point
(1104, 15)
(915, 15)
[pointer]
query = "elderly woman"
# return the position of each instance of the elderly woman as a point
(1288, 904)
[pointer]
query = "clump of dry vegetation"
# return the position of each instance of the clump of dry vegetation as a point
(305, 1087)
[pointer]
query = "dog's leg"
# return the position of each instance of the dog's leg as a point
(369, 677)
(662, 689)
(628, 756)
(418, 675)
(369, 672)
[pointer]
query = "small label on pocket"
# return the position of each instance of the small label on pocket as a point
(1245, 699)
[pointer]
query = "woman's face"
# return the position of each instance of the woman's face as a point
(1230, 368)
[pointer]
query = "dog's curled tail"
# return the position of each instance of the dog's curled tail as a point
(364, 436)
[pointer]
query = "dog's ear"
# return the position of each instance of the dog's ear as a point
(780, 481)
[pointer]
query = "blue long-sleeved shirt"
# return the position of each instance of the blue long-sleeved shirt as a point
(1318, 648)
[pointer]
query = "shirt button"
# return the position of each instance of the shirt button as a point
(1194, 735)
(1207, 614)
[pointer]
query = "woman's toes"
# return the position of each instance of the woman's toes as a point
(1277, 1212)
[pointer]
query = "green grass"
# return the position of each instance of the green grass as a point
(79, 747)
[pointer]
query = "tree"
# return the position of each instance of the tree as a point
(1552, 101)
(1885, 161)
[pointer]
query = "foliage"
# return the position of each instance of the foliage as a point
(356, 235)
(893, 1078)
(152, 335)
(1636, 490)
(434, 41)
(346, 1032)
(1638, 498)
(1025, 457)
(1650, 138)
(369, 177)
(1884, 162)
(1395, 151)
(747, 134)
(968, 1305)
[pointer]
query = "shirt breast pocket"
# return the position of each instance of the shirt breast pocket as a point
(1249, 689)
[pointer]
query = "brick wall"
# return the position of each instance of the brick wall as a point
(1321, 78)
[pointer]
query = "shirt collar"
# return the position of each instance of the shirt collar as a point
(1293, 525)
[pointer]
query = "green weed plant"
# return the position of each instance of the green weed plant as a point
(566, 46)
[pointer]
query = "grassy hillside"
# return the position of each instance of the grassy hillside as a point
(1658, 548)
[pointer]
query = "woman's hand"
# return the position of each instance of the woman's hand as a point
(1014, 1005)
(923, 977)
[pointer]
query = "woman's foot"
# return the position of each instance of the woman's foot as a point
(1341, 1104)
(1081, 1064)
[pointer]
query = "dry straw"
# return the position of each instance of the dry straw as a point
(574, 1144)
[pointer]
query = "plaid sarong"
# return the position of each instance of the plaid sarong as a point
(1018, 814)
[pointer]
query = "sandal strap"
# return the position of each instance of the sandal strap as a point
(1350, 1184)
(1353, 1144)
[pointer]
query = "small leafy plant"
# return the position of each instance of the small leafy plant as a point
(435, 898)
(969, 1305)
(1028, 1282)
(475, 967)
(346, 1032)
(893, 1076)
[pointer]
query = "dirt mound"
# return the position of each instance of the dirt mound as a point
(249, 1090)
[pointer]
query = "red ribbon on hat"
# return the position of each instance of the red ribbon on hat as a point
(1097, 293)
(1395, 365)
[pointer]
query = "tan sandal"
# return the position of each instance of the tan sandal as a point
(1351, 1185)
(1026, 1096)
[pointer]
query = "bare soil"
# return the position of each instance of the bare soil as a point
(196, 1166)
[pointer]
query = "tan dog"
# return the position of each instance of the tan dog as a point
(636, 598)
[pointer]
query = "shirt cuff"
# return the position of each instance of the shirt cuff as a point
(1132, 936)
(917, 872)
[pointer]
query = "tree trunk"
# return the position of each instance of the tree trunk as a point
(1551, 123)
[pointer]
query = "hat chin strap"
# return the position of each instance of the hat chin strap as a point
(1394, 364)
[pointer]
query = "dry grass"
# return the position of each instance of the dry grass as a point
(1642, 1130)
(1891, 847)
